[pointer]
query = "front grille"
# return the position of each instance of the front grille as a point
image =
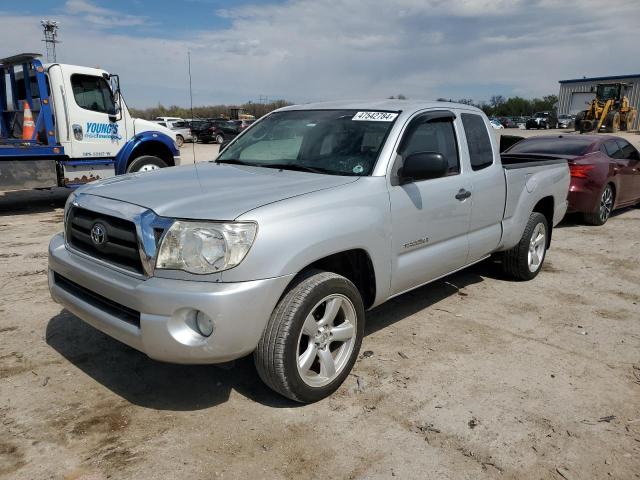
(120, 245)
(125, 314)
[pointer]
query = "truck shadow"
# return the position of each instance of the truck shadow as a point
(32, 201)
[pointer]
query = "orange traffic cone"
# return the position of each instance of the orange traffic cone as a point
(28, 126)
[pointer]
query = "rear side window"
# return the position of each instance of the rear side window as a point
(552, 146)
(93, 93)
(628, 151)
(434, 136)
(612, 149)
(480, 151)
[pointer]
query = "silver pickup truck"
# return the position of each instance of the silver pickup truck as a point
(310, 217)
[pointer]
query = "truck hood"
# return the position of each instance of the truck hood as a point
(140, 125)
(210, 191)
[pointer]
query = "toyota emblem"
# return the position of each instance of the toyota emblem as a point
(98, 234)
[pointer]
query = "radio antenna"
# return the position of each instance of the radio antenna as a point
(193, 142)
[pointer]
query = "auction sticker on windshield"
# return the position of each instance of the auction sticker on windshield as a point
(375, 116)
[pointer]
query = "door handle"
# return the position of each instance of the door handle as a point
(463, 194)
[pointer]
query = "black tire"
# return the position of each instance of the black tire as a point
(515, 261)
(578, 120)
(145, 163)
(219, 138)
(194, 138)
(601, 214)
(277, 353)
(179, 140)
(612, 122)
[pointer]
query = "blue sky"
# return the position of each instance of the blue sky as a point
(310, 50)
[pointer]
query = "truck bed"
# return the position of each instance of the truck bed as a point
(530, 178)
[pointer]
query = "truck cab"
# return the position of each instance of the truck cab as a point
(83, 130)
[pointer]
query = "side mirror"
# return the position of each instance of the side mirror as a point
(423, 166)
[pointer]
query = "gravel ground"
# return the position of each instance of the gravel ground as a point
(470, 377)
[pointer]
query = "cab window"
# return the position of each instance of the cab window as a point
(93, 93)
(435, 136)
(480, 151)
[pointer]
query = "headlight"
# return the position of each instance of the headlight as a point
(205, 247)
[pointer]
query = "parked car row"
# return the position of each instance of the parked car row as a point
(605, 171)
(207, 130)
(217, 130)
(540, 120)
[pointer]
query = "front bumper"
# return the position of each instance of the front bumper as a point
(240, 311)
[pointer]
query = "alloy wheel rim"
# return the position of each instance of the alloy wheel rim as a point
(537, 246)
(327, 340)
(606, 204)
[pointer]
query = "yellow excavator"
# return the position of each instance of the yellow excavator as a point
(610, 110)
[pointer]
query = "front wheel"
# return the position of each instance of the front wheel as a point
(219, 139)
(524, 261)
(603, 211)
(313, 337)
(146, 163)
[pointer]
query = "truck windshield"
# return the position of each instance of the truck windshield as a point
(336, 142)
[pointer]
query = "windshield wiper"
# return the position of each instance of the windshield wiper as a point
(296, 167)
(234, 161)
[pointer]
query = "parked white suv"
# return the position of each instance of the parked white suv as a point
(178, 126)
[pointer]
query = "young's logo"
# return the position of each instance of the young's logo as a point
(107, 131)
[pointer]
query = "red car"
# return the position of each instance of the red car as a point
(605, 171)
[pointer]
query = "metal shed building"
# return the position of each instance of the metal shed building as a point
(576, 94)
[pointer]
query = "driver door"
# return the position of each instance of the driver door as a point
(98, 130)
(430, 218)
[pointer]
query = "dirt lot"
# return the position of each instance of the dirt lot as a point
(471, 377)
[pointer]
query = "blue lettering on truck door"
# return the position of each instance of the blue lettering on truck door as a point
(107, 131)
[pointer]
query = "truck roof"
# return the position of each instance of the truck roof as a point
(387, 104)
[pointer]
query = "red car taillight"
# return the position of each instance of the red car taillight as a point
(580, 171)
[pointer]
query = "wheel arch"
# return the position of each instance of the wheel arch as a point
(354, 264)
(546, 206)
(146, 143)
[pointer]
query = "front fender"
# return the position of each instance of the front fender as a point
(139, 141)
(296, 232)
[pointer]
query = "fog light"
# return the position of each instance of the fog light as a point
(204, 324)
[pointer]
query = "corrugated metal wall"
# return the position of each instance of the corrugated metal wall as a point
(567, 90)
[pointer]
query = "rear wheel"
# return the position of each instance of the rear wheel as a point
(146, 163)
(219, 138)
(603, 211)
(524, 261)
(179, 140)
(313, 337)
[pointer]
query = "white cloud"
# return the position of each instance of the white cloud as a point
(102, 17)
(306, 50)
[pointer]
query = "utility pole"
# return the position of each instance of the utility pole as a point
(50, 28)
